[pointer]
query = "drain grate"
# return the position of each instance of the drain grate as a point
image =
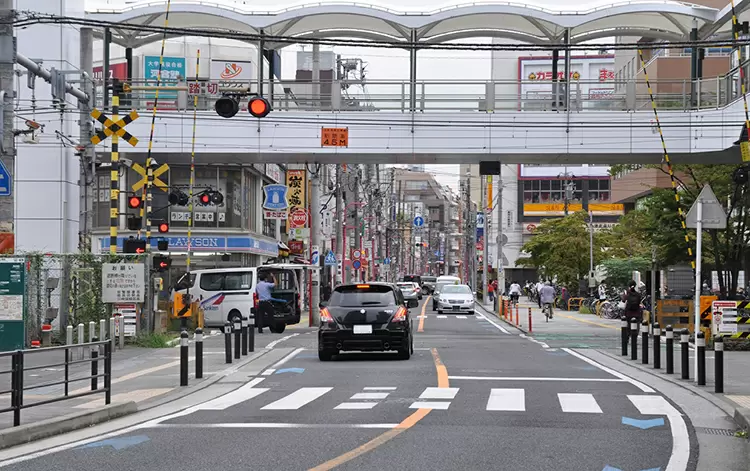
(715, 431)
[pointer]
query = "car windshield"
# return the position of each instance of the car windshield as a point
(440, 286)
(362, 295)
(460, 289)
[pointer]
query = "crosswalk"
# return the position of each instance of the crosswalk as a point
(439, 399)
(460, 316)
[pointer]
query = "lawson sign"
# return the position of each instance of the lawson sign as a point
(244, 244)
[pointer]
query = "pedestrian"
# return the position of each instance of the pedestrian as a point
(491, 292)
(632, 300)
(265, 309)
(539, 286)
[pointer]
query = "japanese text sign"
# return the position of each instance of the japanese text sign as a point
(123, 282)
(296, 182)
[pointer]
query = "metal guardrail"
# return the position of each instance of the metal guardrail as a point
(445, 95)
(17, 371)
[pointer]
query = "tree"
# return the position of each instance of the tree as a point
(560, 249)
(620, 270)
(725, 250)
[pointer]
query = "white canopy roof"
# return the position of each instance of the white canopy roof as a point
(523, 22)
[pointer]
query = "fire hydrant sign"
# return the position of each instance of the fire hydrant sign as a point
(123, 283)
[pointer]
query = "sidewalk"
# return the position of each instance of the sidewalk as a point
(142, 375)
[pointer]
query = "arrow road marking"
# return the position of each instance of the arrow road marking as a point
(119, 443)
(610, 468)
(643, 424)
(290, 370)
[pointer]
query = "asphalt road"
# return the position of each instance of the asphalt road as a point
(474, 396)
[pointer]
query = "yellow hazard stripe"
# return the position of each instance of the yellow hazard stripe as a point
(668, 161)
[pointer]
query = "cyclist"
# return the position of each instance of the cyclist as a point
(547, 297)
(515, 292)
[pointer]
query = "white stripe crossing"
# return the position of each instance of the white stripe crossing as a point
(442, 317)
(430, 405)
(268, 372)
(297, 399)
(244, 393)
(370, 395)
(439, 393)
(511, 400)
(356, 405)
(379, 388)
(577, 402)
(460, 317)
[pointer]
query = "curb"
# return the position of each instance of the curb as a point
(47, 428)
(741, 415)
(492, 313)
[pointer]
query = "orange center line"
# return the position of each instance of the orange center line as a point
(385, 437)
(421, 320)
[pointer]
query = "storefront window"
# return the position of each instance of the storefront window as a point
(552, 191)
(233, 199)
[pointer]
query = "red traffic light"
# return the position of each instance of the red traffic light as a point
(259, 107)
(164, 227)
(134, 202)
(205, 198)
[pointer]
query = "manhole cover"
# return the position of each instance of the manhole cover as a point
(715, 431)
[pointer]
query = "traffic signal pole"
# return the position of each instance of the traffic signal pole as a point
(315, 229)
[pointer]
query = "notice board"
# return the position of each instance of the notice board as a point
(12, 304)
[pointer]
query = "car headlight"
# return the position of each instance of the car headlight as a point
(469, 301)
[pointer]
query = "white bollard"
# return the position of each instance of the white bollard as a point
(69, 340)
(92, 331)
(102, 329)
(81, 336)
(112, 332)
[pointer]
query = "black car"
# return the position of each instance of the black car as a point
(365, 317)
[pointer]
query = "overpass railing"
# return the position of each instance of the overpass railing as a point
(447, 95)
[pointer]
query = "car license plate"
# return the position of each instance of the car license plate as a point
(456, 308)
(362, 329)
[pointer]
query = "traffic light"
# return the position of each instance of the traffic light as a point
(133, 245)
(162, 262)
(227, 106)
(135, 223)
(134, 202)
(178, 197)
(259, 107)
(208, 197)
(163, 227)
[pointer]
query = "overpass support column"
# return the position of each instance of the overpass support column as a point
(555, 80)
(413, 71)
(566, 76)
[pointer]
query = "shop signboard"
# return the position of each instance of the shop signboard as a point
(12, 304)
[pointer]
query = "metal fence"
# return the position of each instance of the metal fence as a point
(62, 290)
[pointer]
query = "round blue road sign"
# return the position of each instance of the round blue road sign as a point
(356, 264)
(419, 221)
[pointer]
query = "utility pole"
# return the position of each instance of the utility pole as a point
(8, 150)
(357, 227)
(485, 237)
(87, 156)
(316, 227)
(340, 221)
(400, 229)
(499, 241)
(378, 211)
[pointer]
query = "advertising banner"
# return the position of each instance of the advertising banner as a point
(231, 73)
(296, 182)
(116, 71)
(172, 70)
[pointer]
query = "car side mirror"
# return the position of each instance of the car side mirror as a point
(474, 293)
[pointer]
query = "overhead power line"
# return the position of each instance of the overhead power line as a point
(29, 18)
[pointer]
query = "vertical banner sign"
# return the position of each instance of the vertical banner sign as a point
(489, 193)
(173, 70)
(12, 305)
(296, 182)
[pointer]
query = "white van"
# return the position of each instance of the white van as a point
(229, 293)
(439, 283)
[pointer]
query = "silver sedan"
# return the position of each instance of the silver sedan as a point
(456, 298)
(410, 290)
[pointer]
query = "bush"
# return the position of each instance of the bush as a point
(154, 340)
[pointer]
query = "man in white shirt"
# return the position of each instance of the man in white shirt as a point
(539, 286)
(515, 292)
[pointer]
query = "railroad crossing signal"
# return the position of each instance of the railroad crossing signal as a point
(111, 127)
(142, 172)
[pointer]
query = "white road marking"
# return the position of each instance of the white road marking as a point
(276, 342)
(268, 372)
(499, 327)
(507, 400)
(442, 317)
(287, 358)
(370, 395)
(524, 336)
(356, 405)
(638, 384)
(439, 393)
(460, 317)
(575, 402)
(297, 399)
(381, 388)
(531, 378)
(421, 317)
(241, 394)
(272, 425)
(430, 405)
(657, 405)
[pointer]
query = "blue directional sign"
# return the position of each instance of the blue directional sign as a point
(275, 197)
(387, 261)
(330, 259)
(5, 183)
(419, 221)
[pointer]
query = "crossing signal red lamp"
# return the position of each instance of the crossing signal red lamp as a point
(205, 198)
(135, 202)
(259, 107)
(163, 227)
